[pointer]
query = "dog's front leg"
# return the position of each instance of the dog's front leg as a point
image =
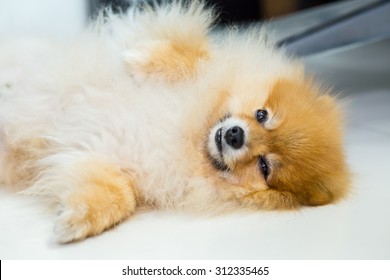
(93, 195)
(269, 199)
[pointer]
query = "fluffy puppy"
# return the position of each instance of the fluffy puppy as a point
(149, 109)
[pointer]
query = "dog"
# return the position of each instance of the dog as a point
(154, 109)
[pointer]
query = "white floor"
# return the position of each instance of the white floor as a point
(357, 228)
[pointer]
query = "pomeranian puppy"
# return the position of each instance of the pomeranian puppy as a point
(150, 109)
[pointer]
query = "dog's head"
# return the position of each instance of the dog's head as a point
(286, 150)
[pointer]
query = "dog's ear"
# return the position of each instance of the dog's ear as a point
(172, 40)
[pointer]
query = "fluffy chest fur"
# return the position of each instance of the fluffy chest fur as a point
(148, 129)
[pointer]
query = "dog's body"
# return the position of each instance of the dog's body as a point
(150, 110)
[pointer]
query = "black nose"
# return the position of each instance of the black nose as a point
(234, 136)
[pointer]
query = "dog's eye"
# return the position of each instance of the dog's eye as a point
(263, 166)
(261, 115)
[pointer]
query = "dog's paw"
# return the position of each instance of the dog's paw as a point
(72, 224)
(159, 48)
(103, 197)
(139, 61)
(165, 60)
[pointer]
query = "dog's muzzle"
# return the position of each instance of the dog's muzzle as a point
(234, 137)
(227, 142)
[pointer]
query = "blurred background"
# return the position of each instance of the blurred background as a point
(290, 20)
(67, 17)
(233, 11)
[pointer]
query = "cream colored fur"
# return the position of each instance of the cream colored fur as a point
(94, 113)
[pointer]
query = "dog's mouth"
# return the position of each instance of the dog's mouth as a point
(226, 142)
(218, 141)
(216, 157)
(219, 164)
